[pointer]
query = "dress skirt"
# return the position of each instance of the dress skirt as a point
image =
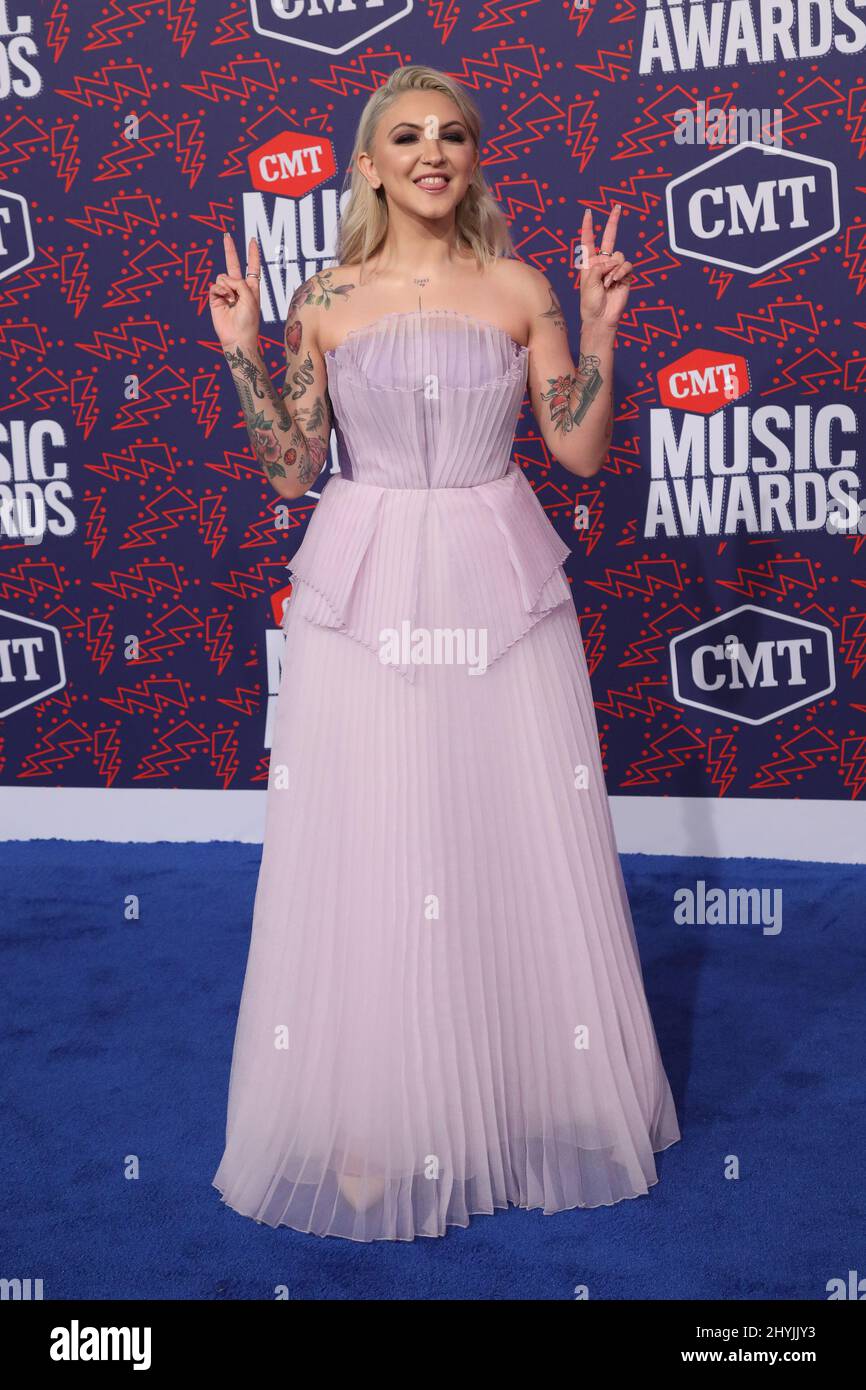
(443, 998)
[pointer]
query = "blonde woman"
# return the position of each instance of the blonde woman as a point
(443, 1010)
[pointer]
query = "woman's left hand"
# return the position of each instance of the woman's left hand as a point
(605, 279)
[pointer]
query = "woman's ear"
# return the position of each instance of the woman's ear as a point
(365, 164)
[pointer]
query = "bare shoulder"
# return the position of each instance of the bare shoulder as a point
(334, 284)
(527, 289)
(312, 301)
(318, 308)
(532, 285)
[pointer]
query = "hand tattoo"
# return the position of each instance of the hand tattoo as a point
(582, 386)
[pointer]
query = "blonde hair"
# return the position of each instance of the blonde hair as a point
(481, 224)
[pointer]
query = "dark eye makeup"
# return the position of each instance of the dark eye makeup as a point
(457, 136)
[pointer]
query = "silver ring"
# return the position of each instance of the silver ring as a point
(256, 274)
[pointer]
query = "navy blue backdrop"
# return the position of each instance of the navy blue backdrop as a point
(718, 556)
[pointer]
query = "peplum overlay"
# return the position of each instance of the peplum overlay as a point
(483, 557)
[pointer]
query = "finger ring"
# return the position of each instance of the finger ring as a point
(255, 274)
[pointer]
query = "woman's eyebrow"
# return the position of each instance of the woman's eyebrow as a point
(413, 126)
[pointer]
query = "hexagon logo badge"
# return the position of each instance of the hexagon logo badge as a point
(31, 662)
(330, 26)
(292, 164)
(703, 381)
(16, 235)
(752, 664)
(753, 207)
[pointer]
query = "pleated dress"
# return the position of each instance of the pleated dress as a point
(443, 1001)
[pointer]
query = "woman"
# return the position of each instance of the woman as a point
(443, 1010)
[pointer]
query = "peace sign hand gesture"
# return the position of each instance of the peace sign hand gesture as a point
(234, 299)
(605, 275)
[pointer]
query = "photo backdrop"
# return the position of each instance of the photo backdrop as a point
(718, 557)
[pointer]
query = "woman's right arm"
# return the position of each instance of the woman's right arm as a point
(290, 429)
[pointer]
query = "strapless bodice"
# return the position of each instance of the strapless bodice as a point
(429, 522)
(426, 398)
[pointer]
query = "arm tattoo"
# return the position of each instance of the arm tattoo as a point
(255, 386)
(303, 377)
(313, 416)
(554, 313)
(572, 394)
(319, 289)
(306, 453)
(314, 461)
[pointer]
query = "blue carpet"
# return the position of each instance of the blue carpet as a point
(117, 1040)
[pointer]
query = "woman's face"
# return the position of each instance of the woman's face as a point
(423, 154)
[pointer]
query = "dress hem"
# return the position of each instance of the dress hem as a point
(461, 1225)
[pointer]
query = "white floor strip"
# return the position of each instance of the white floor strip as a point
(823, 831)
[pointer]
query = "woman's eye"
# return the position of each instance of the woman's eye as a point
(456, 135)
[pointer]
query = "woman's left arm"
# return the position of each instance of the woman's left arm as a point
(573, 402)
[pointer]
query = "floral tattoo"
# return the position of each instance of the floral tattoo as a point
(572, 394)
(319, 289)
(255, 389)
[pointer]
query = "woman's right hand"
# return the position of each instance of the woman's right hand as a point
(235, 299)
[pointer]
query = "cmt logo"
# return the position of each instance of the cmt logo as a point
(703, 381)
(753, 207)
(31, 662)
(752, 665)
(292, 164)
(16, 236)
(331, 26)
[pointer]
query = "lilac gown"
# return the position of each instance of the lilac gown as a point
(443, 996)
